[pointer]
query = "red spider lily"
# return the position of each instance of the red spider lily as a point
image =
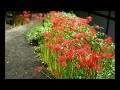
(80, 52)
(68, 55)
(34, 15)
(99, 53)
(24, 12)
(45, 33)
(57, 73)
(72, 49)
(97, 27)
(40, 14)
(63, 64)
(51, 36)
(108, 55)
(83, 34)
(38, 69)
(26, 15)
(108, 40)
(46, 39)
(59, 39)
(74, 28)
(95, 57)
(68, 42)
(57, 47)
(21, 15)
(88, 38)
(91, 29)
(49, 44)
(51, 13)
(87, 62)
(89, 19)
(61, 58)
(86, 46)
(106, 47)
(93, 33)
(77, 36)
(37, 17)
(27, 20)
(67, 29)
(44, 15)
(96, 67)
(82, 22)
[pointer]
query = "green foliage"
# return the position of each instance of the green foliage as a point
(109, 70)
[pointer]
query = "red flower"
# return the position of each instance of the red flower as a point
(37, 17)
(45, 33)
(108, 55)
(63, 64)
(67, 42)
(34, 15)
(106, 47)
(89, 18)
(80, 52)
(25, 12)
(92, 29)
(61, 58)
(59, 39)
(99, 53)
(68, 55)
(57, 47)
(27, 20)
(57, 73)
(40, 14)
(97, 67)
(49, 44)
(87, 62)
(76, 36)
(88, 38)
(97, 27)
(21, 15)
(95, 57)
(83, 34)
(38, 69)
(109, 40)
(93, 32)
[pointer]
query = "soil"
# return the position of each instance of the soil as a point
(20, 59)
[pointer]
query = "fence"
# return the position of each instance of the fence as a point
(105, 19)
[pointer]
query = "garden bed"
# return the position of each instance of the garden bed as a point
(72, 49)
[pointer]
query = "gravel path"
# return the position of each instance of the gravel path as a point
(20, 60)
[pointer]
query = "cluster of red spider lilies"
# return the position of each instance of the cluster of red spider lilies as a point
(68, 47)
(71, 47)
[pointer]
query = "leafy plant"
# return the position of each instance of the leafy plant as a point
(72, 48)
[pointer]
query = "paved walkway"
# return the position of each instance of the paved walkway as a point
(20, 60)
